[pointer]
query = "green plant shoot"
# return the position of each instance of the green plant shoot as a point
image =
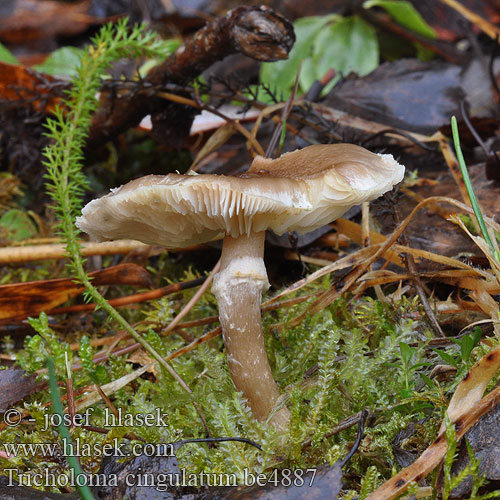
(470, 189)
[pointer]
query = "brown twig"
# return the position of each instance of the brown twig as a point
(412, 269)
(132, 299)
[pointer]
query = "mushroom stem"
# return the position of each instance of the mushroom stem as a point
(238, 287)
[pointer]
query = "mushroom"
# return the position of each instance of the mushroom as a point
(300, 191)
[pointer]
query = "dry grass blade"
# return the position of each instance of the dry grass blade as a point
(200, 340)
(365, 237)
(384, 277)
(480, 294)
(278, 131)
(463, 276)
(215, 141)
(330, 295)
(355, 232)
(350, 260)
(269, 110)
(481, 243)
(110, 388)
(384, 246)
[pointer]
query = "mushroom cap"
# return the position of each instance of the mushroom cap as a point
(300, 191)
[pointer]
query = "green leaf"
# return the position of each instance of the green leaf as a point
(281, 74)
(62, 62)
(466, 346)
(348, 45)
(406, 393)
(407, 352)
(308, 74)
(476, 335)
(468, 342)
(17, 225)
(446, 357)
(428, 381)
(6, 56)
(405, 14)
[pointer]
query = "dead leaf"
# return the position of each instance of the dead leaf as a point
(20, 300)
(31, 20)
(15, 386)
(408, 94)
(29, 87)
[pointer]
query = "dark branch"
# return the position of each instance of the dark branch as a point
(257, 32)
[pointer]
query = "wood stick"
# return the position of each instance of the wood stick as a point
(19, 254)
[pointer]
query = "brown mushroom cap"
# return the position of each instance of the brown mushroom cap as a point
(300, 191)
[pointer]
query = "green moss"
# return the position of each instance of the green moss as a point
(345, 358)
